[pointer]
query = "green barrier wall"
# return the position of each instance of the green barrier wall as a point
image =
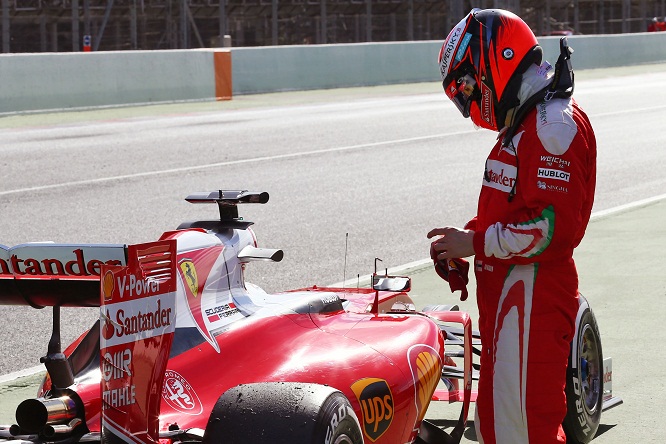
(30, 82)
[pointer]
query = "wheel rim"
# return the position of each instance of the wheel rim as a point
(589, 366)
(343, 439)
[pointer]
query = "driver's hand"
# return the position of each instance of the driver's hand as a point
(453, 243)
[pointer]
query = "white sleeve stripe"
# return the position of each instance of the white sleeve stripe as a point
(519, 240)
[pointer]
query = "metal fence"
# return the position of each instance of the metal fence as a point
(105, 25)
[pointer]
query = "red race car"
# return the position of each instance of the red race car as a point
(186, 351)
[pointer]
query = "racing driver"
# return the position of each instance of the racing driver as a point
(534, 206)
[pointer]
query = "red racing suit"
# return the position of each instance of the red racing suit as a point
(534, 206)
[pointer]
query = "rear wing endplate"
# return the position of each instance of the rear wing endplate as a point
(48, 274)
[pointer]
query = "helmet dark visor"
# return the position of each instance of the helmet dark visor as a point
(460, 87)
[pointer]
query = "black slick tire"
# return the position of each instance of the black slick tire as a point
(281, 413)
(584, 388)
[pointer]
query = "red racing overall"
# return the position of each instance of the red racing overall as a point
(534, 206)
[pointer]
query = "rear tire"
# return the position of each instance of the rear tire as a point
(585, 387)
(283, 413)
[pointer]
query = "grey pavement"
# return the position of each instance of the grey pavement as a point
(621, 266)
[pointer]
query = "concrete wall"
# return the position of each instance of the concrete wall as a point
(606, 51)
(267, 69)
(73, 80)
(285, 68)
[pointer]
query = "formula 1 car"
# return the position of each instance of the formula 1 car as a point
(186, 351)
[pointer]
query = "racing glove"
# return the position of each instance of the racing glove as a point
(453, 271)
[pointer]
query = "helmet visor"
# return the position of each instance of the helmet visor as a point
(461, 91)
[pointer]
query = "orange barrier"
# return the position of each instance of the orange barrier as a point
(223, 81)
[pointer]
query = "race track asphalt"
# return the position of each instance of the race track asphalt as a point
(621, 265)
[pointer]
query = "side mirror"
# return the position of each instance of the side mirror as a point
(391, 283)
(250, 253)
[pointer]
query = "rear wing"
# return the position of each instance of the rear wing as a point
(138, 321)
(48, 274)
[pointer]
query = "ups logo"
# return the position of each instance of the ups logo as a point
(374, 396)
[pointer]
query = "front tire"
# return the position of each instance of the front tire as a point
(584, 388)
(282, 413)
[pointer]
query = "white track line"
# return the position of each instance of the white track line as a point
(9, 377)
(231, 163)
(270, 158)
(349, 283)
(627, 207)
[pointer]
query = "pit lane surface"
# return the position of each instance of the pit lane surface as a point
(383, 164)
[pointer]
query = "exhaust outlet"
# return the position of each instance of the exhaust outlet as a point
(51, 431)
(32, 415)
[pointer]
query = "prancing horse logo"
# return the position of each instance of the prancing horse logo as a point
(190, 275)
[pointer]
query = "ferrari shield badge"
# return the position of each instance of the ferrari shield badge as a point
(192, 286)
(190, 276)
